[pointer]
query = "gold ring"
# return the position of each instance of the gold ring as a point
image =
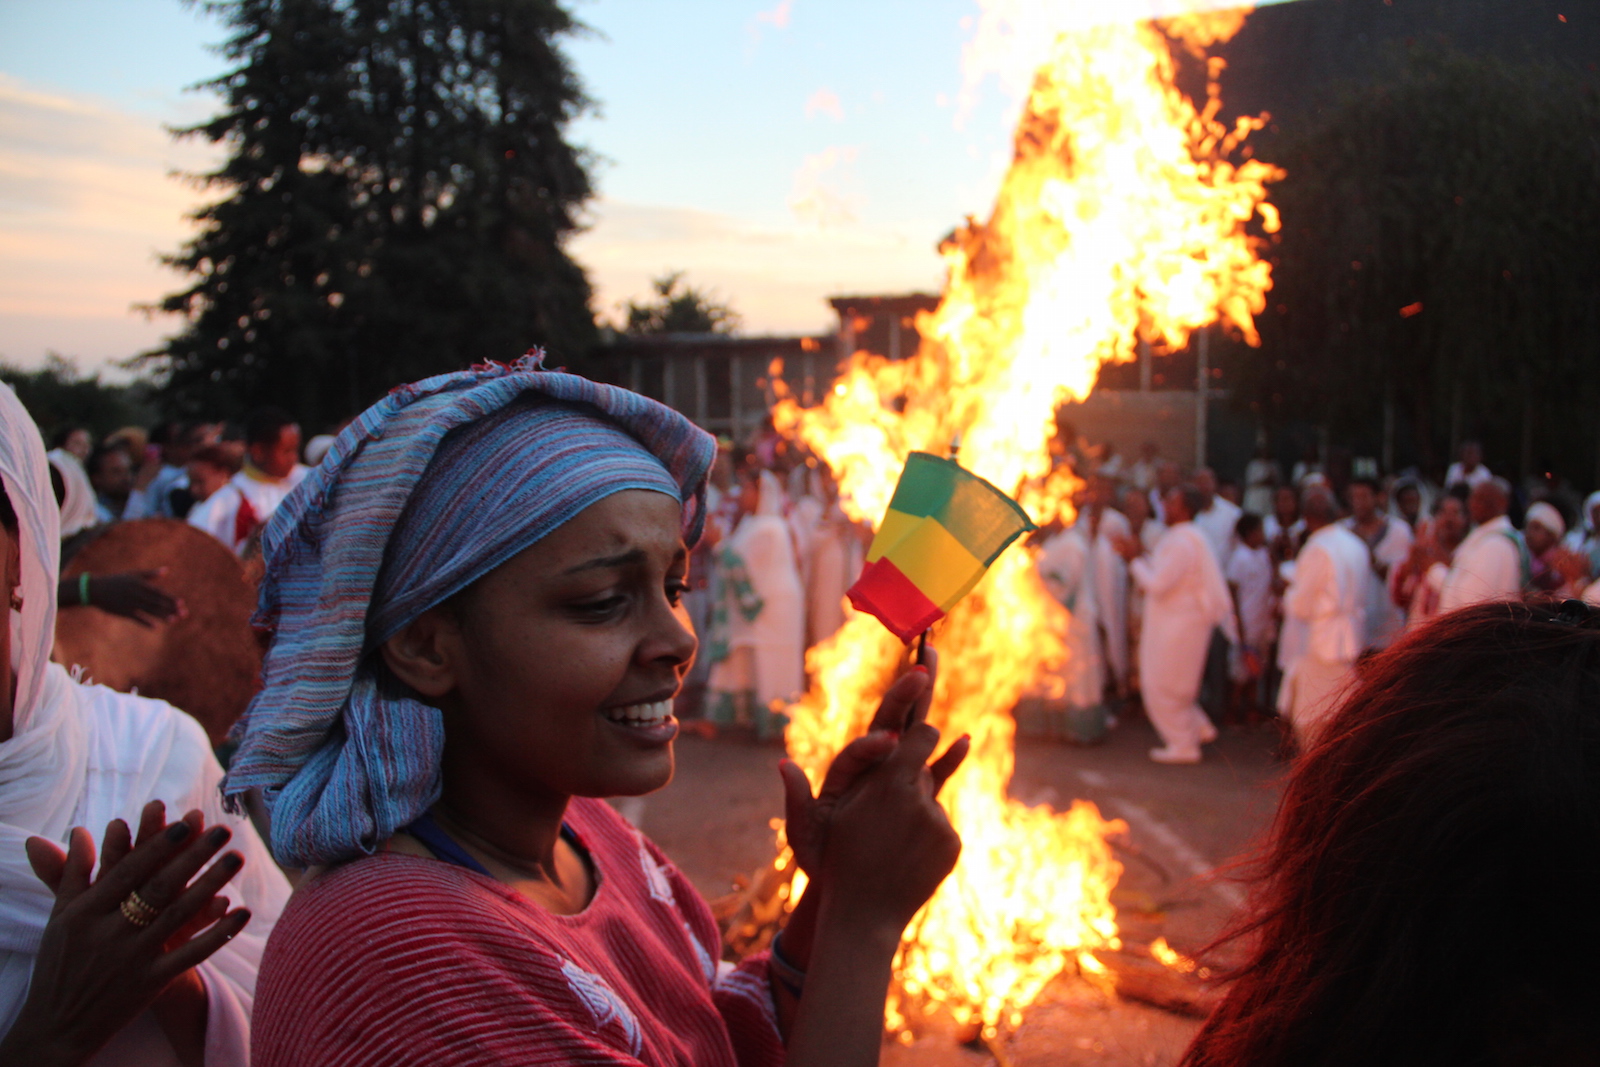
(137, 911)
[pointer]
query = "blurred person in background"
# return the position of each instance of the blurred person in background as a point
(1327, 596)
(1186, 600)
(1585, 535)
(1406, 496)
(1283, 529)
(1492, 562)
(1416, 582)
(78, 511)
(110, 471)
(1469, 469)
(761, 667)
(236, 512)
(1388, 542)
(1553, 569)
(1249, 574)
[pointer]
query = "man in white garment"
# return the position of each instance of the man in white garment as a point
(1072, 700)
(81, 980)
(1469, 469)
(1388, 542)
(1103, 526)
(1490, 564)
(1218, 519)
(1328, 596)
(1185, 601)
(236, 512)
(1168, 477)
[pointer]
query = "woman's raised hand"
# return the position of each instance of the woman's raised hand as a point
(904, 705)
(116, 942)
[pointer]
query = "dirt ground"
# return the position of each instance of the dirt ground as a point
(1184, 822)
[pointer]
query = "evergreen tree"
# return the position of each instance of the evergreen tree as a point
(680, 310)
(1438, 260)
(398, 191)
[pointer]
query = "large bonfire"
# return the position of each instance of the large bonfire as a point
(1121, 218)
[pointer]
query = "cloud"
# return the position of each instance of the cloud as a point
(816, 199)
(87, 201)
(778, 16)
(777, 277)
(825, 102)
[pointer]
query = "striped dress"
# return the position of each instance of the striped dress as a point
(397, 959)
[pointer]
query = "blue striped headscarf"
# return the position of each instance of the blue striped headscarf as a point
(429, 490)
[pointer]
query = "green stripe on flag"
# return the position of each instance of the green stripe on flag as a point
(971, 509)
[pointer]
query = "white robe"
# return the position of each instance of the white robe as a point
(766, 654)
(1185, 599)
(1219, 523)
(81, 755)
(1328, 597)
(1065, 566)
(1385, 620)
(1109, 573)
(1487, 566)
(77, 504)
(835, 561)
(218, 514)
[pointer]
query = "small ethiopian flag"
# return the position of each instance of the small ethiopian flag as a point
(943, 529)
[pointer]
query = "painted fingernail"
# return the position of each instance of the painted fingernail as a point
(179, 830)
(218, 836)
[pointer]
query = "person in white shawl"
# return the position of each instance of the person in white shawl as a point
(1185, 600)
(1327, 596)
(1104, 527)
(1072, 695)
(762, 666)
(84, 972)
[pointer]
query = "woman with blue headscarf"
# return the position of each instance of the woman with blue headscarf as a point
(474, 603)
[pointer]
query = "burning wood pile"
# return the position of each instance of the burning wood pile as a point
(1121, 219)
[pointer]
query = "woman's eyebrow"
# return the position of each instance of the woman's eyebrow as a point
(625, 559)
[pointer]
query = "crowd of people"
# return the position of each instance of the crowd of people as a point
(487, 603)
(1210, 605)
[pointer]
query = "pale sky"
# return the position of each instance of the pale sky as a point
(779, 151)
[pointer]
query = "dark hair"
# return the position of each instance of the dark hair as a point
(59, 438)
(101, 451)
(1461, 491)
(1429, 855)
(1248, 524)
(215, 456)
(1370, 483)
(1194, 501)
(8, 514)
(263, 425)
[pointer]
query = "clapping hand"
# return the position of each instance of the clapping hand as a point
(117, 942)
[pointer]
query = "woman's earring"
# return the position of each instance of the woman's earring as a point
(16, 600)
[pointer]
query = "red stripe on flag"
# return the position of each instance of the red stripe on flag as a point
(886, 593)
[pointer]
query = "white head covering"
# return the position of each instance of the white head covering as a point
(26, 475)
(77, 500)
(318, 447)
(1547, 516)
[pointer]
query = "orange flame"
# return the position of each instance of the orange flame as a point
(1121, 217)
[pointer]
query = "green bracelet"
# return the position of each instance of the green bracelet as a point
(83, 589)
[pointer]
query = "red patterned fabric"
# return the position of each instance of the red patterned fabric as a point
(397, 960)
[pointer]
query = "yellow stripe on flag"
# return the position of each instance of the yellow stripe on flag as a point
(895, 525)
(935, 562)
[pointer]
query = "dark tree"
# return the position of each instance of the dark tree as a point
(1438, 275)
(398, 192)
(60, 397)
(680, 310)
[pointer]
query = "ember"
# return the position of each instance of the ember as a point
(1121, 218)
